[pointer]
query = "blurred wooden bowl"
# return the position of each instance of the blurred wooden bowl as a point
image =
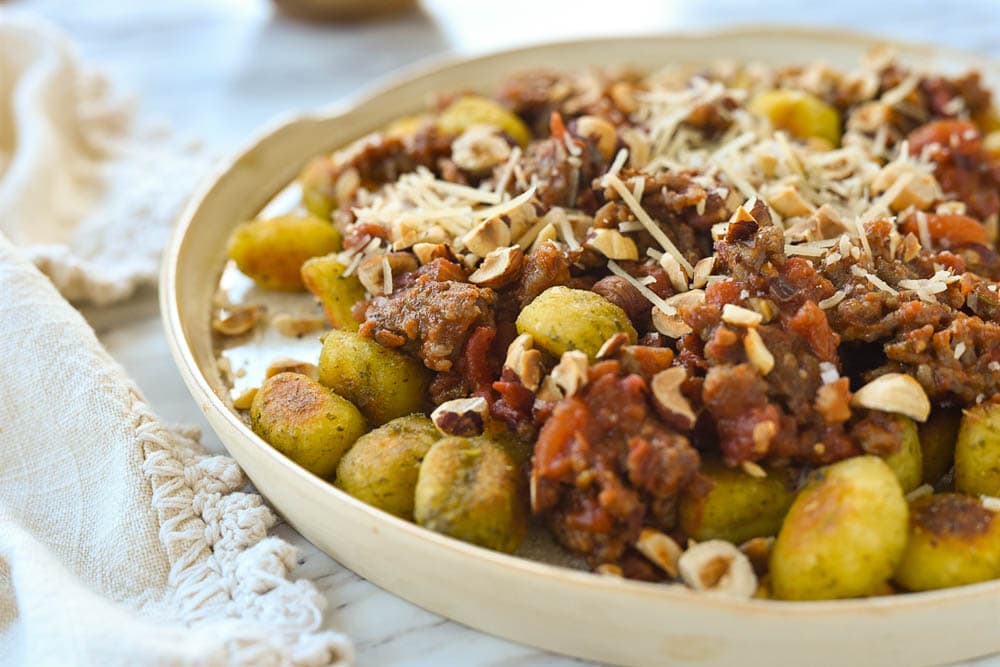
(342, 10)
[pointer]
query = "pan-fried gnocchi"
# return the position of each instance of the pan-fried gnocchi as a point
(562, 319)
(844, 535)
(954, 540)
(273, 250)
(305, 421)
(977, 451)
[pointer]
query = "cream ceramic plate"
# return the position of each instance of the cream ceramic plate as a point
(554, 608)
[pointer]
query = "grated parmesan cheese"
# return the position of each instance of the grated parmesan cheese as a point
(832, 300)
(873, 279)
(828, 372)
(647, 222)
(805, 249)
(507, 172)
(386, 275)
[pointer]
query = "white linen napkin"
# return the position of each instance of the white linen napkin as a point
(87, 189)
(122, 541)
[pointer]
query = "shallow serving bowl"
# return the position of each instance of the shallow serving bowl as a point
(559, 609)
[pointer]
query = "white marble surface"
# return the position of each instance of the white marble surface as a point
(220, 68)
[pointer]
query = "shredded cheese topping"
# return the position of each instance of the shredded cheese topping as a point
(664, 307)
(821, 198)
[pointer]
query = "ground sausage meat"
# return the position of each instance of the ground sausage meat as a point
(605, 466)
(429, 318)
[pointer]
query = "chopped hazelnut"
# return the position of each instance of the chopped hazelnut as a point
(479, 149)
(601, 132)
(757, 352)
(524, 361)
(462, 416)
(297, 326)
(740, 316)
(238, 320)
(288, 365)
(372, 270)
(660, 549)
(668, 400)
(894, 392)
(570, 374)
(669, 325)
(487, 236)
(499, 268)
(719, 567)
(612, 244)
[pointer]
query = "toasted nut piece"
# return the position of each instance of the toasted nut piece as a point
(245, 400)
(689, 299)
(347, 185)
(225, 367)
(521, 219)
(951, 208)
(911, 246)
(499, 268)
(919, 492)
(869, 117)
(622, 94)
(479, 149)
(894, 392)
(719, 567)
(921, 189)
(828, 222)
(407, 233)
(487, 236)
(763, 434)
(238, 320)
(833, 401)
(702, 270)
(524, 361)
(288, 365)
(741, 214)
(600, 131)
(549, 390)
(609, 570)
(638, 147)
(758, 551)
(668, 400)
(546, 234)
(462, 416)
(297, 326)
(372, 273)
(787, 201)
(670, 325)
(678, 278)
(739, 316)
(428, 252)
(660, 549)
(570, 374)
(757, 352)
(611, 346)
(612, 244)
(767, 308)
(753, 469)
(720, 231)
